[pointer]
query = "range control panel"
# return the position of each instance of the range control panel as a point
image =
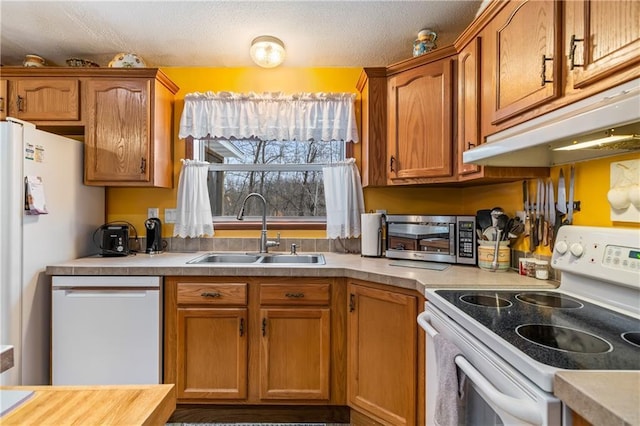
(608, 254)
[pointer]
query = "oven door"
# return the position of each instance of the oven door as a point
(496, 394)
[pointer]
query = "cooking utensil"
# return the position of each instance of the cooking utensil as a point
(542, 207)
(500, 225)
(562, 194)
(483, 219)
(551, 206)
(572, 176)
(535, 224)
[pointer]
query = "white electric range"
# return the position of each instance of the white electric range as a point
(513, 341)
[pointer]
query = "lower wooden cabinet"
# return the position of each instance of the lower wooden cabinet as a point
(207, 369)
(255, 340)
(383, 354)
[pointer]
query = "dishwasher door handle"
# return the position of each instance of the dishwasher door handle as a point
(105, 294)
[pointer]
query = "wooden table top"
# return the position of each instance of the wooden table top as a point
(94, 405)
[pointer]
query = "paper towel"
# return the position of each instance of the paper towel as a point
(371, 240)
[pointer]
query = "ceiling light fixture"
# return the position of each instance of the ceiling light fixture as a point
(267, 51)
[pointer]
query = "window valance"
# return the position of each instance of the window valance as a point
(269, 116)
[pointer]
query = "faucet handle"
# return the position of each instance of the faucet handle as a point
(294, 248)
(275, 243)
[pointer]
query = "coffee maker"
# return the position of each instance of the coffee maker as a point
(154, 235)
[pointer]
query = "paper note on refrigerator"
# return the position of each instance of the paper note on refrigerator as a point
(34, 195)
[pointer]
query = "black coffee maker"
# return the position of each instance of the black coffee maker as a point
(154, 235)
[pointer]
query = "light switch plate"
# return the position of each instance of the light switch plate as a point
(170, 215)
(153, 212)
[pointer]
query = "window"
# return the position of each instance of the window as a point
(287, 173)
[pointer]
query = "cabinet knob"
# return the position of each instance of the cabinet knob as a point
(572, 52)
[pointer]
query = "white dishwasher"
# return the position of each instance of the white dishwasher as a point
(106, 330)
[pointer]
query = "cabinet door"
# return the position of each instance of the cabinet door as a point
(382, 354)
(294, 354)
(468, 103)
(3, 99)
(117, 146)
(45, 99)
(529, 58)
(420, 111)
(606, 39)
(212, 353)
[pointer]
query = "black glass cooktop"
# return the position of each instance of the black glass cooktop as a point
(555, 329)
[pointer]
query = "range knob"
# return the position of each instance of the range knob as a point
(576, 249)
(561, 247)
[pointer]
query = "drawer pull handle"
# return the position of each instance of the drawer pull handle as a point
(210, 294)
(391, 164)
(572, 52)
(352, 302)
(241, 327)
(264, 327)
(2, 104)
(543, 73)
(143, 165)
(20, 103)
(295, 295)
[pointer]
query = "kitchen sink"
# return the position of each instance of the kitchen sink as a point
(293, 258)
(253, 258)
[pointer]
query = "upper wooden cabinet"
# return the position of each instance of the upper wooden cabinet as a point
(44, 99)
(603, 38)
(128, 132)
(420, 116)
(528, 56)
(125, 115)
(468, 103)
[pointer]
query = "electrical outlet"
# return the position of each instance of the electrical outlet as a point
(153, 212)
(170, 215)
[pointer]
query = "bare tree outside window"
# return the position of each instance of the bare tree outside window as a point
(287, 173)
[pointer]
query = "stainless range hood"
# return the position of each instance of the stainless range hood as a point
(540, 142)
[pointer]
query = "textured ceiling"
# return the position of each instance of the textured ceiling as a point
(218, 33)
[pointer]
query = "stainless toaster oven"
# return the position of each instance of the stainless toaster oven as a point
(448, 239)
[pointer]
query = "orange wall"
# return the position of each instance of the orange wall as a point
(592, 178)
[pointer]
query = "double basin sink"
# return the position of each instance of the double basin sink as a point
(259, 258)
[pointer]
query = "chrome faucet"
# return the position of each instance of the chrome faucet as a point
(264, 243)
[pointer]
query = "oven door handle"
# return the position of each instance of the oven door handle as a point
(523, 409)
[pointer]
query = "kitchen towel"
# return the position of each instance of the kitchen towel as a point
(449, 400)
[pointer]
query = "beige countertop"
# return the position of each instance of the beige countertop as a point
(601, 397)
(376, 270)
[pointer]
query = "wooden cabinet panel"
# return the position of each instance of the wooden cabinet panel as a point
(3, 99)
(468, 103)
(54, 99)
(295, 354)
(212, 294)
(420, 122)
(606, 39)
(528, 56)
(382, 354)
(372, 86)
(117, 136)
(212, 353)
(298, 295)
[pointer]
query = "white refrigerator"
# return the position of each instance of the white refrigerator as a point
(28, 243)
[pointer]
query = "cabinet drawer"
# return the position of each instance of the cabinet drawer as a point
(291, 294)
(212, 293)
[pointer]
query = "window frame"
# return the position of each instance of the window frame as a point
(253, 222)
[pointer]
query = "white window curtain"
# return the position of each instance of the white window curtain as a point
(269, 116)
(193, 208)
(344, 199)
